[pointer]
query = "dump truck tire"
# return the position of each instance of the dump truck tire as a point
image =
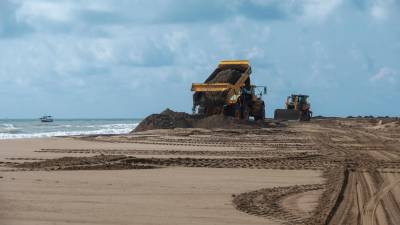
(236, 111)
(261, 114)
(245, 112)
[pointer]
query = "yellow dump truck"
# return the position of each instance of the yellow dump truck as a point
(228, 91)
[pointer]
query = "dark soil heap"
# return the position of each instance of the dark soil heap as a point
(169, 119)
(226, 122)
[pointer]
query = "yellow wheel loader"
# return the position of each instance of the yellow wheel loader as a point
(228, 91)
(297, 108)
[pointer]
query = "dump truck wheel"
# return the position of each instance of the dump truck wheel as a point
(236, 111)
(244, 112)
(263, 112)
(261, 115)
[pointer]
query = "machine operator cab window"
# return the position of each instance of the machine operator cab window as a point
(291, 101)
(302, 99)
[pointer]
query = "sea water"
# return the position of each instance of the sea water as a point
(34, 128)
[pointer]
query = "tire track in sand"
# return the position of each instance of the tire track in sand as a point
(368, 215)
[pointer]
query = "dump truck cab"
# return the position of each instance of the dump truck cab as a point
(228, 90)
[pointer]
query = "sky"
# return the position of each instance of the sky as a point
(130, 58)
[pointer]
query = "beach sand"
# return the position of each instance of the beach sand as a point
(176, 195)
(331, 171)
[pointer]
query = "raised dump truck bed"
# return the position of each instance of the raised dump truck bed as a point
(228, 91)
(232, 77)
(228, 74)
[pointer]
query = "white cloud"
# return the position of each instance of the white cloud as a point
(319, 10)
(34, 11)
(385, 74)
(381, 9)
(254, 52)
(378, 12)
(95, 47)
(319, 50)
(175, 39)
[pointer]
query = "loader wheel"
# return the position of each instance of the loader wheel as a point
(305, 116)
(309, 115)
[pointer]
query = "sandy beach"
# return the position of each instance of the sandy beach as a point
(226, 112)
(166, 196)
(280, 175)
(155, 196)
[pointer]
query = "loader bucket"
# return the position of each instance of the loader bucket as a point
(287, 114)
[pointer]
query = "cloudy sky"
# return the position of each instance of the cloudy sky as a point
(129, 58)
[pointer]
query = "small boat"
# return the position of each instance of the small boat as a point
(46, 119)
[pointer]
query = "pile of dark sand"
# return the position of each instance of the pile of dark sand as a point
(169, 119)
(227, 122)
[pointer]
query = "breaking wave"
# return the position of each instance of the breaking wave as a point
(9, 128)
(37, 130)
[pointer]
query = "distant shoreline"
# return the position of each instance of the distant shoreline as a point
(33, 128)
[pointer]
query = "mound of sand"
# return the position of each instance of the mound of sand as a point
(226, 122)
(169, 119)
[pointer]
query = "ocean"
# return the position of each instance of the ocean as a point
(34, 128)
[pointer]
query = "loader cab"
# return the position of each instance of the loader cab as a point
(296, 102)
(302, 99)
(297, 108)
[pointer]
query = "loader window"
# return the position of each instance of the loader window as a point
(302, 100)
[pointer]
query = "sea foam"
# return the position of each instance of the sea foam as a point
(17, 129)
